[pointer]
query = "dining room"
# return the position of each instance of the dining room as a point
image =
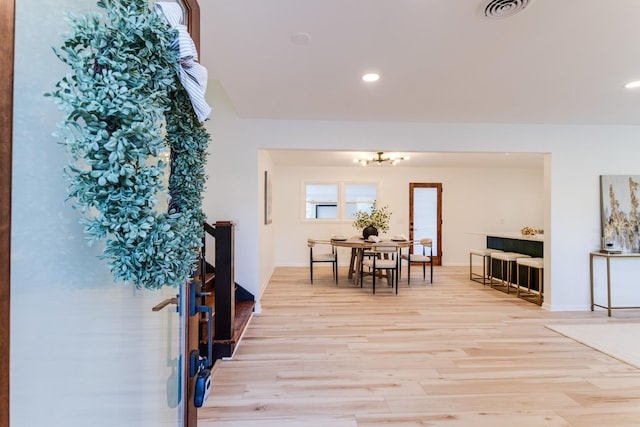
(480, 192)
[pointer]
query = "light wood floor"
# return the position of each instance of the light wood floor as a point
(453, 353)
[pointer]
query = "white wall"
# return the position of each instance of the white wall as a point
(578, 155)
(266, 254)
(473, 200)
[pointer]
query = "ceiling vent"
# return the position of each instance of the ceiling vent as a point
(499, 9)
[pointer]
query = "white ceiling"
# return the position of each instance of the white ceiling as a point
(432, 160)
(555, 62)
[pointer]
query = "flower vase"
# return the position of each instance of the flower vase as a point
(369, 231)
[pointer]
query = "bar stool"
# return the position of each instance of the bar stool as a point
(486, 262)
(536, 263)
(508, 260)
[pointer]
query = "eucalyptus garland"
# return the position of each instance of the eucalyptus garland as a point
(126, 108)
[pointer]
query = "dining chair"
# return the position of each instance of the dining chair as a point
(384, 257)
(316, 256)
(365, 252)
(422, 258)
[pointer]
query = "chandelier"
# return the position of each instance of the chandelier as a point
(379, 159)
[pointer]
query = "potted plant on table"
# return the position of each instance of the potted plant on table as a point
(373, 222)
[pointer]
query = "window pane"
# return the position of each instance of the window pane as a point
(326, 211)
(320, 192)
(321, 201)
(359, 197)
(361, 192)
(425, 214)
(352, 208)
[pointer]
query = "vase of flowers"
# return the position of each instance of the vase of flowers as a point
(373, 222)
(369, 231)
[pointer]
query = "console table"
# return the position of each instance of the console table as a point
(608, 257)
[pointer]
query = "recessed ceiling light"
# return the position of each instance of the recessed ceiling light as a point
(301, 39)
(371, 77)
(633, 85)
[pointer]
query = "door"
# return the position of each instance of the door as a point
(7, 9)
(425, 215)
(168, 327)
(186, 329)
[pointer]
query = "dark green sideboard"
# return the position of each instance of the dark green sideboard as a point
(526, 246)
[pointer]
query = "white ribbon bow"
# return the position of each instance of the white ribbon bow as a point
(192, 75)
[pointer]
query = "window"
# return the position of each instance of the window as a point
(321, 201)
(338, 201)
(359, 197)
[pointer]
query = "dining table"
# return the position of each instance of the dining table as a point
(358, 247)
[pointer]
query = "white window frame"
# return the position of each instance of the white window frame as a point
(341, 202)
(375, 184)
(305, 184)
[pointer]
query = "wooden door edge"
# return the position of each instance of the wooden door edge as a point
(7, 50)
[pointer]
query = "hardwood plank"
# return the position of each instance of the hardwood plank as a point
(456, 354)
(466, 419)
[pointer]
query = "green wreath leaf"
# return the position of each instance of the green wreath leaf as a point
(121, 94)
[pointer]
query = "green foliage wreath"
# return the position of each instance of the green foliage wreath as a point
(126, 108)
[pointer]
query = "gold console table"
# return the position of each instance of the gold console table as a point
(608, 257)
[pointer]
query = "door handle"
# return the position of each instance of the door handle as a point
(165, 303)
